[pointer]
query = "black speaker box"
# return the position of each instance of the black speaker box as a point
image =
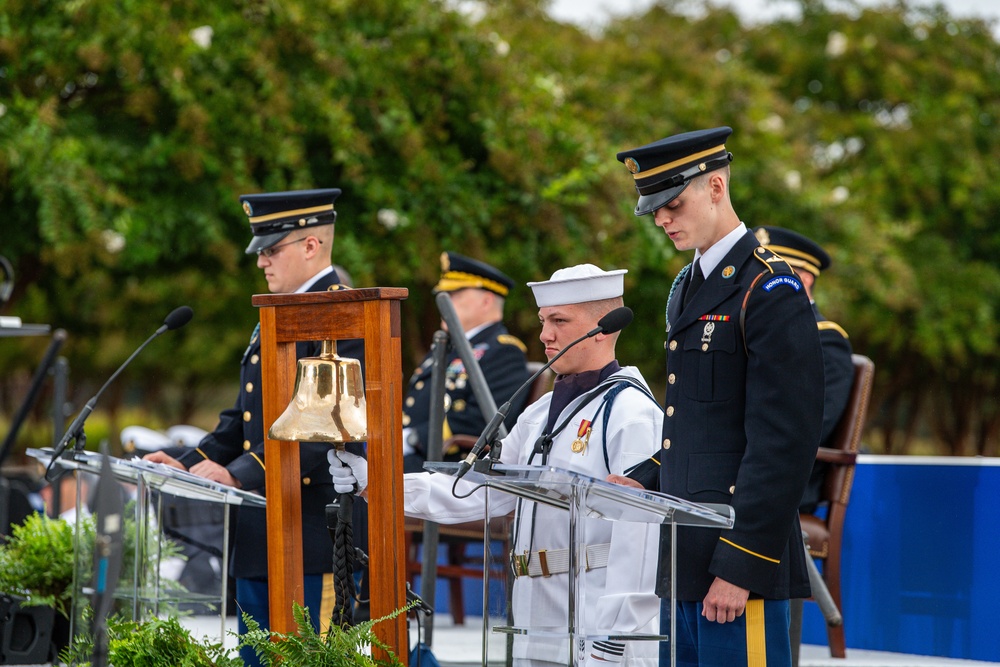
(25, 632)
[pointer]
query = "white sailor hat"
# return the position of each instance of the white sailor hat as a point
(579, 284)
(139, 439)
(186, 435)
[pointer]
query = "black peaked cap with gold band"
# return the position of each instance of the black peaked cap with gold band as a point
(664, 168)
(460, 272)
(274, 215)
(799, 251)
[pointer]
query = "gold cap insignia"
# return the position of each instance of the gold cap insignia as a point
(632, 165)
(247, 208)
(445, 263)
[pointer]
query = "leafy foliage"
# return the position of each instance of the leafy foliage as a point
(37, 559)
(158, 642)
(492, 132)
(337, 647)
(36, 562)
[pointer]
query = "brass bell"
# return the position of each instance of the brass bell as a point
(329, 401)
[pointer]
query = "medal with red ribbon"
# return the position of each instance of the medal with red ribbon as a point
(582, 437)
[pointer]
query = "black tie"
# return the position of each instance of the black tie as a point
(696, 280)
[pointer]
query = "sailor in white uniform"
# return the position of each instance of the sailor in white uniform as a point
(600, 419)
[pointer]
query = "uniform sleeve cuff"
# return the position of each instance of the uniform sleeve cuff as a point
(608, 651)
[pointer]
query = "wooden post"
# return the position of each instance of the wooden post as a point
(370, 314)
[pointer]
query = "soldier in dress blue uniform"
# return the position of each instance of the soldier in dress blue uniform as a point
(477, 292)
(809, 260)
(293, 239)
(744, 409)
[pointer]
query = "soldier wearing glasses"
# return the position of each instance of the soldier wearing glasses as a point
(293, 236)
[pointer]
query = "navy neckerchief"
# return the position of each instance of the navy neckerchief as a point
(568, 387)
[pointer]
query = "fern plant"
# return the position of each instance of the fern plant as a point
(159, 642)
(337, 647)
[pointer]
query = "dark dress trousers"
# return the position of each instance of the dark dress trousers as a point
(238, 444)
(742, 424)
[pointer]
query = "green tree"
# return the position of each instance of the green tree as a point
(127, 132)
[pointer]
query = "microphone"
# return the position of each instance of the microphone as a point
(175, 320)
(613, 322)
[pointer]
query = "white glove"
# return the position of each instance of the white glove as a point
(349, 471)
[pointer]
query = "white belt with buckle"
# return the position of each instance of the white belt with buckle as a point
(546, 562)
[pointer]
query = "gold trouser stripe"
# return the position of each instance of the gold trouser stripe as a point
(756, 641)
(327, 600)
(752, 553)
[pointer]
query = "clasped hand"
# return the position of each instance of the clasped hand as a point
(349, 472)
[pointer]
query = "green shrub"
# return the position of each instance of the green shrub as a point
(36, 562)
(154, 643)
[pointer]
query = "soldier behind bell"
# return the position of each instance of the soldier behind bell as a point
(293, 235)
(477, 292)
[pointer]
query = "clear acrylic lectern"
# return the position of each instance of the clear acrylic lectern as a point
(143, 591)
(584, 499)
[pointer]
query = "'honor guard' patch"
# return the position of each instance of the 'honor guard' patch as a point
(791, 281)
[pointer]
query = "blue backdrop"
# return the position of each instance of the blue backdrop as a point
(921, 559)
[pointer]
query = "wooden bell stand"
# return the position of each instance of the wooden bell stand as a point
(372, 315)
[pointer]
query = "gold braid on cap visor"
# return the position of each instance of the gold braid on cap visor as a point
(797, 258)
(687, 159)
(456, 280)
(298, 213)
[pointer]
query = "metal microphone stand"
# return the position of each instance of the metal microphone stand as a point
(435, 429)
(435, 435)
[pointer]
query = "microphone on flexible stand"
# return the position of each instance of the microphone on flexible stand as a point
(615, 321)
(175, 320)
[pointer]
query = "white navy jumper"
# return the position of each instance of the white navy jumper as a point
(619, 597)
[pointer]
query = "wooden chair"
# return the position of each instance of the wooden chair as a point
(456, 538)
(824, 533)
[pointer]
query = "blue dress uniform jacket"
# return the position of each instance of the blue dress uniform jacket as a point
(501, 357)
(742, 425)
(238, 444)
(838, 371)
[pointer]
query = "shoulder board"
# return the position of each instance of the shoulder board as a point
(337, 287)
(774, 262)
(507, 339)
(832, 326)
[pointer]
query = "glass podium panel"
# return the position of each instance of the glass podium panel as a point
(560, 595)
(173, 520)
